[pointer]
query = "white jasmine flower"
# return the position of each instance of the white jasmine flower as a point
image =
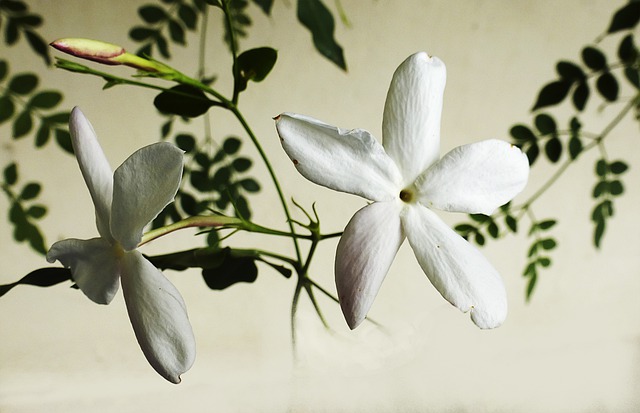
(126, 201)
(405, 179)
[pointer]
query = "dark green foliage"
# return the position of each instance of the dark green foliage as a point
(183, 100)
(255, 65)
(537, 254)
(25, 105)
(265, 5)
(607, 187)
(17, 20)
(231, 270)
(483, 226)
(163, 23)
(43, 277)
(23, 214)
(218, 181)
(626, 17)
(315, 16)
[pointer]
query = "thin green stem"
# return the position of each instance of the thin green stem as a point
(191, 222)
(273, 176)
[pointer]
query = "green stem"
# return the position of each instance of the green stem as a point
(272, 174)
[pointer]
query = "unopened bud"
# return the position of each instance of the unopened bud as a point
(107, 53)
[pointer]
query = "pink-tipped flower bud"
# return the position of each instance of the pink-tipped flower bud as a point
(108, 53)
(101, 52)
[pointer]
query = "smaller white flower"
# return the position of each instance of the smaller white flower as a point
(126, 201)
(405, 179)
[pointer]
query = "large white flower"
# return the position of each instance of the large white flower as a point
(126, 201)
(405, 179)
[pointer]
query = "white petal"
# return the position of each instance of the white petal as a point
(411, 122)
(475, 178)
(95, 168)
(94, 266)
(350, 161)
(143, 185)
(365, 252)
(158, 316)
(458, 270)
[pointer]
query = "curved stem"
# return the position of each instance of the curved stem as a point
(272, 174)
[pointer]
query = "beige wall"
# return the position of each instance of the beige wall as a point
(575, 347)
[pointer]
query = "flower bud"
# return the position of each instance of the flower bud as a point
(107, 53)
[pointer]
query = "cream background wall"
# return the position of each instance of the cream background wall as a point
(575, 347)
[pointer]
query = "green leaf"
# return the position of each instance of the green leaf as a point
(553, 149)
(4, 69)
(231, 145)
(13, 6)
(200, 181)
(598, 233)
(162, 45)
(522, 133)
(479, 238)
(152, 14)
(140, 33)
(23, 84)
(618, 167)
(188, 16)
(532, 153)
(176, 31)
(45, 100)
(493, 230)
(511, 223)
(544, 261)
(38, 45)
(42, 137)
(616, 188)
(30, 191)
(37, 211)
(530, 269)
(241, 164)
(221, 178)
(11, 33)
(625, 18)
(7, 108)
(546, 225)
(601, 168)
(580, 96)
(608, 87)
(63, 139)
(186, 142)
(633, 76)
(232, 270)
(570, 71)
(22, 125)
(43, 277)
(315, 16)
(545, 124)
(575, 147)
(594, 58)
(552, 94)
(255, 65)
(531, 285)
(265, 5)
(602, 187)
(11, 174)
(548, 243)
(188, 203)
(627, 52)
(59, 118)
(184, 101)
(250, 185)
